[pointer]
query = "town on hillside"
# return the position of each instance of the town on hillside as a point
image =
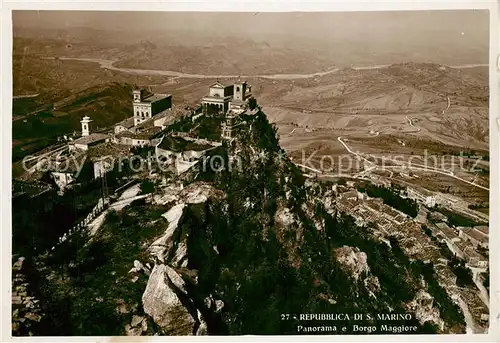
(178, 138)
(238, 173)
(146, 128)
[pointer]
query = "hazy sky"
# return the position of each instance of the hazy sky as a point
(474, 24)
(452, 36)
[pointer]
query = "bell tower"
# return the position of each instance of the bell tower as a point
(85, 126)
(138, 93)
(240, 89)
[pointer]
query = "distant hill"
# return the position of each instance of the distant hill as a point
(408, 86)
(106, 104)
(380, 99)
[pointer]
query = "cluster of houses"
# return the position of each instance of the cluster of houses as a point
(465, 241)
(365, 210)
(152, 113)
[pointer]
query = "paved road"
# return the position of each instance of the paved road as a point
(109, 64)
(354, 153)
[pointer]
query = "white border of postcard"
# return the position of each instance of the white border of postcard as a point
(254, 6)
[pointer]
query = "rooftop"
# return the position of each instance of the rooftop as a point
(162, 114)
(471, 253)
(442, 226)
(92, 138)
(462, 245)
(447, 231)
(445, 273)
(475, 234)
(217, 84)
(107, 149)
(69, 165)
(483, 229)
(126, 123)
(178, 144)
(155, 97)
(145, 134)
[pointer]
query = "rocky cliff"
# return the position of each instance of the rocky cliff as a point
(243, 244)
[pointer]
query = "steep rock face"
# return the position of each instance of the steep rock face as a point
(166, 302)
(162, 245)
(423, 306)
(354, 261)
(166, 298)
(249, 251)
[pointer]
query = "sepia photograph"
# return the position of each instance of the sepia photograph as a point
(250, 173)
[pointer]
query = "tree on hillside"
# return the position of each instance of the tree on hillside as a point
(252, 103)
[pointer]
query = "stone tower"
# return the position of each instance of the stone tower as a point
(138, 94)
(240, 89)
(227, 126)
(85, 126)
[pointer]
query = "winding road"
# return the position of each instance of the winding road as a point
(410, 123)
(448, 106)
(413, 166)
(109, 64)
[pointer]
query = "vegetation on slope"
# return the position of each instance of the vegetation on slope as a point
(253, 273)
(105, 104)
(391, 197)
(243, 255)
(86, 285)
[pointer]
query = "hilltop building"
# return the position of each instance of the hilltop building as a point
(138, 138)
(180, 152)
(151, 113)
(222, 98)
(124, 125)
(83, 143)
(146, 105)
(87, 139)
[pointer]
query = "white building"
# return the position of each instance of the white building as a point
(64, 171)
(83, 143)
(146, 105)
(176, 149)
(87, 139)
(222, 98)
(102, 166)
(124, 125)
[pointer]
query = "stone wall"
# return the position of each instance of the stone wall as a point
(26, 312)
